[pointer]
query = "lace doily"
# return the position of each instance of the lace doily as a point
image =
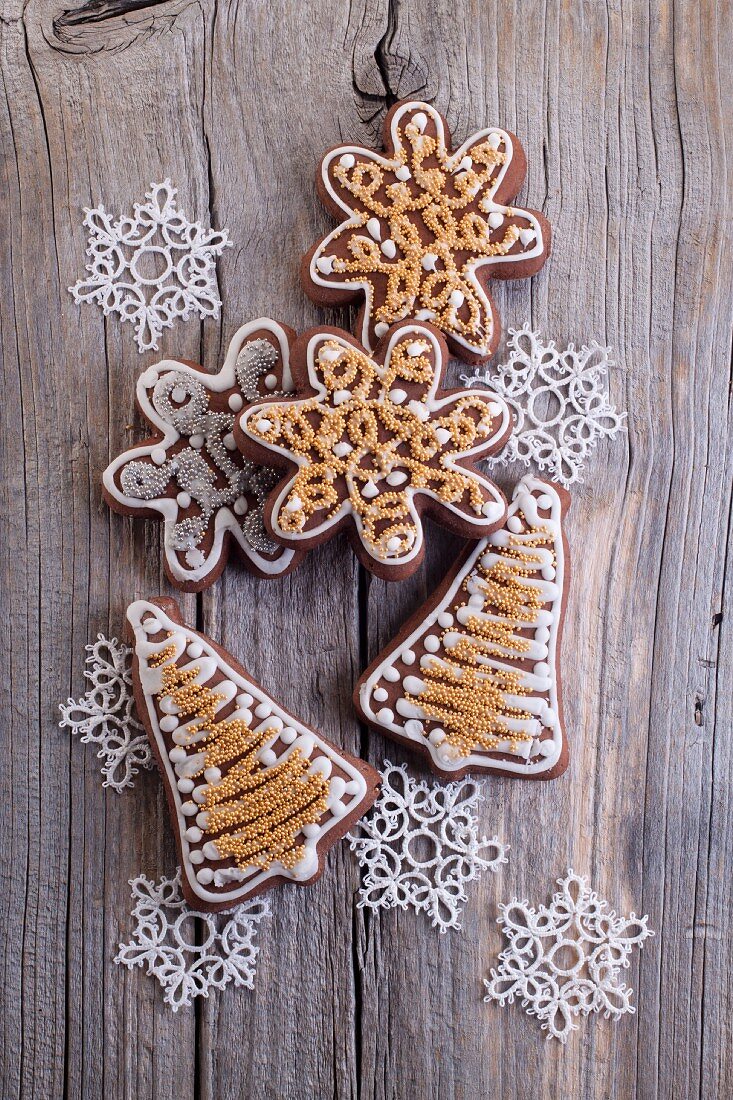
(559, 400)
(152, 267)
(105, 716)
(566, 959)
(421, 847)
(166, 940)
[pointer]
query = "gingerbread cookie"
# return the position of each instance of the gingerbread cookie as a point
(255, 796)
(425, 230)
(373, 441)
(473, 679)
(190, 473)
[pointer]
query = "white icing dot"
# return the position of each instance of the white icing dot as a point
(542, 635)
(514, 524)
(311, 830)
(263, 710)
(342, 449)
(321, 766)
(244, 700)
(268, 757)
(385, 715)
(294, 504)
(370, 490)
(178, 393)
(194, 649)
(340, 396)
(158, 456)
(420, 119)
(199, 795)
(408, 656)
(193, 833)
(177, 755)
(183, 500)
(445, 619)
(397, 477)
(403, 173)
(195, 558)
(548, 573)
(185, 786)
(353, 787)
(213, 776)
(270, 381)
(240, 506)
(202, 819)
(380, 329)
(457, 298)
(236, 402)
(437, 736)
(493, 141)
(443, 436)
(495, 219)
(390, 673)
(389, 248)
(196, 856)
(327, 354)
(288, 735)
(545, 501)
(325, 264)
(429, 261)
(397, 396)
(394, 543)
(548, 748)
(263, 425)
(432, 643)
(205, 876)
(229, 442)
(348, 160)
(413, 728)
(492, 509)
(189, 809)
(476, 600)
(465, 165)
(417, 347)
(151, 625)
(380, 695)
(197, 441)
(526, 236)
(425, 314)
(374, 229)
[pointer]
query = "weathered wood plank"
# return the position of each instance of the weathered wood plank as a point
(624, 111)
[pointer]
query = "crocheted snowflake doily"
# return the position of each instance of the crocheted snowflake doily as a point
(421, 847)
(105, 716)
(566, 958)
(559, 400)
(152, 267)
(166, 935)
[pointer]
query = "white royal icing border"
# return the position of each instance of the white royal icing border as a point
(307, 739)
(432, 403)
(225, 520)
(524, 500)
(354, 220)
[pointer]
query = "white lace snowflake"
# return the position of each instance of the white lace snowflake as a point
(105, 716)
(422, 846)
(559, 400)
(152, 267)
(566, 959)
(165, 939)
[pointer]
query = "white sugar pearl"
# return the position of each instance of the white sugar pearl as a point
(197, 441)
(236, 402)
(270, 381)
(183, 500)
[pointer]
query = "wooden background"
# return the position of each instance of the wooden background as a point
(624, 109)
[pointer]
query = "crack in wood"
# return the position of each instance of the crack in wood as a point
(97, 11)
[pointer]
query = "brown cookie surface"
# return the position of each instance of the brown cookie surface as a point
(256, 797)
(472, 680)
(424, 228)
(373, 441)
(190, 474)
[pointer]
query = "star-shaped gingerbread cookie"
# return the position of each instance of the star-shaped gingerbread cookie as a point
(190, 472)
(425, 229)
(371, 442)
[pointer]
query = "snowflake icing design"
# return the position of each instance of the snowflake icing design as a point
(153, 267)
(165, 940)
(105, 716)
(565, 959)
(191, 472)
(559, 400)
(421, 847)
(426, 227)
(377, 433)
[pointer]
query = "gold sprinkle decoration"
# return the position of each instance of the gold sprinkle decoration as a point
(371, 439)
(254, 813)
(421, 221)
(467, 697)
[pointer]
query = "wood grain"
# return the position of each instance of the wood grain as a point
(624, 109)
